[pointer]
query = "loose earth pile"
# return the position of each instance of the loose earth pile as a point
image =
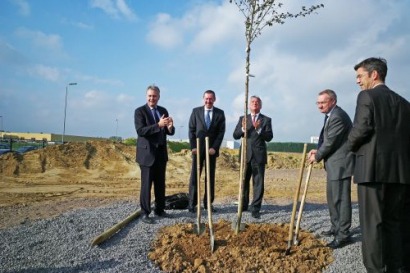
(258, 248)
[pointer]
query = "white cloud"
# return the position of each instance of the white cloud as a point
(24, 7)
(216, 25)
(40, 39)
(199, 30)
(45, 72)
(165, 32)
(115, 8)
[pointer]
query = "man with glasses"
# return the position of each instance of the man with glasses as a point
(339, 164)
(380, 137)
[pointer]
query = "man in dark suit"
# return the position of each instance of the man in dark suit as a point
(380, 137)
(152, 124)
(259, 131)
(339, 164)
(205, 121)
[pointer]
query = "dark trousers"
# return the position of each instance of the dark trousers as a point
(257, 172)
(381, 206)
(405, 229)
(154, 174)
(193, 191)
(340, 206)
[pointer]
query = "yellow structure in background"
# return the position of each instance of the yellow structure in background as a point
(46, 137)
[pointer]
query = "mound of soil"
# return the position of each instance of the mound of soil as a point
(258, 248)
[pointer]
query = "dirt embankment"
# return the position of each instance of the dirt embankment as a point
(50, 181)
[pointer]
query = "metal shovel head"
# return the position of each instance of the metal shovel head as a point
(295, 241)
(287, 251)
(235, 225)
(212, 241)
(199, 228)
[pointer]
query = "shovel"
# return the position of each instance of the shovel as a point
(237, 225)
(208, 193)
(295, 200)
(302, 203)
(200, 227)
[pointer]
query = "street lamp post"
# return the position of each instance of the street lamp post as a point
(116, 131)
(180, 129)
(65, 108)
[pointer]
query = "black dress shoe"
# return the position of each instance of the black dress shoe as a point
(163, 214)
(328, 233)
(245, 209)
(338, 243)
(146, 219)
(212, 208)
(256, 214)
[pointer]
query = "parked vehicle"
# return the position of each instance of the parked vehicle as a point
(4, 151)
(4, 146)
(25, 149)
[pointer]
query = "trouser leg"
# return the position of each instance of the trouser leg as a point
(193, 191)
(212, 165)
(405, 229)
(145, 193)
(345, 209)
(246, 188)
(258, 176)
(380, 206)
(159, 186)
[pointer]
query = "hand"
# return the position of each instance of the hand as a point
(164, 121)
(257, 124)
(170, 123)
(312, 156)
(194, 151)
(212, 151)
(243, 124)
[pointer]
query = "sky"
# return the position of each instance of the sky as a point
(114, 49)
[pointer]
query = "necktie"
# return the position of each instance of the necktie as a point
(208, 118)
(253, 120)
(154, 113)
(321, 137)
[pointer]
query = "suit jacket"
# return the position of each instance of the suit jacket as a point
(197, 128)
(256, 142)
(380, 137)
(150, 136)
(339, 161)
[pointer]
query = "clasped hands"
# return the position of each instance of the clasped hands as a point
(256, 124)
(166, 122)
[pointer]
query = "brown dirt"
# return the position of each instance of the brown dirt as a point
(51, 181)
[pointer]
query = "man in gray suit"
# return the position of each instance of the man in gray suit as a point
(205, 121)
(380, 137)
(339, 164)
(259, 131)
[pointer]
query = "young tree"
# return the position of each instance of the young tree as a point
(258, 15)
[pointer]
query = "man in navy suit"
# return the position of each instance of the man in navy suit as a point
(380, 138)
(339, 164)
(152, 124)
(259, 131)
(205, 121)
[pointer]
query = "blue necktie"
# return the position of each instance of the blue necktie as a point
(208, 119)
(321, 137)
(154, 113)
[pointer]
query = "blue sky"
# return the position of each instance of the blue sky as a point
(114, 49)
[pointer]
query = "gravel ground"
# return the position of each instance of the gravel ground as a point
(63, 244)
